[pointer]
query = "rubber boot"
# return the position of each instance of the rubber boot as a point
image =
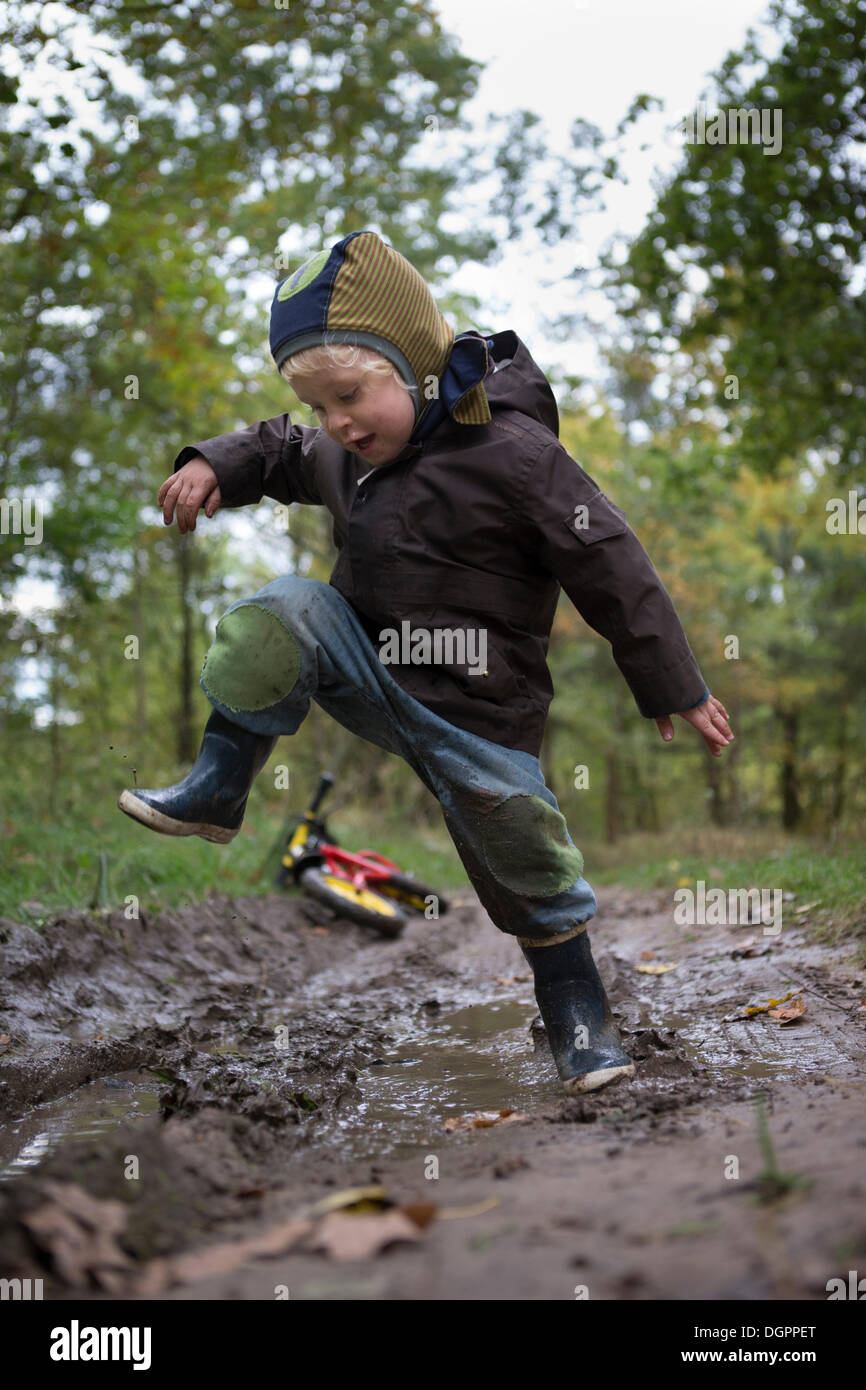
(583, 1036)
(212, 798)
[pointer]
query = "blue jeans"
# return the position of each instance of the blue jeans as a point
(299, 639)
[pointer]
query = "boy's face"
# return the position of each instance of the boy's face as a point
(368, 413)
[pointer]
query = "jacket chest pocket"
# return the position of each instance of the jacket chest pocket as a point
(597, 519)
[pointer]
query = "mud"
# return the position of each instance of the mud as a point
(219, 1070)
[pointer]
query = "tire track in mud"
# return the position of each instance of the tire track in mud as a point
(297, 1053)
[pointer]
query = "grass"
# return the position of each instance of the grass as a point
(827, 872)
(60, 865)
(108, 858)
(771, 1183)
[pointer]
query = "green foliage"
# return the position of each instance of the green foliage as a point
(751, 263)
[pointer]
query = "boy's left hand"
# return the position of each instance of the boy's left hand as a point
(711, 721)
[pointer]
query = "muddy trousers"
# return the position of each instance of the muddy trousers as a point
(298, 640)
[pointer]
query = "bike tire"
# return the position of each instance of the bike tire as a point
(359, 905)
(411, 892)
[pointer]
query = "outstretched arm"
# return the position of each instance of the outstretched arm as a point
(584, 540)
(271, 458)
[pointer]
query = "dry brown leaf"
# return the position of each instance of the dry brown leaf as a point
(511, 979)
(789, 1013)
(749, 948)
(79, 1233)
(647, 955)
(162, 1273)
(752, 1009)
(660, 969)
(481, 1119)
(420, 1213)
(346, 1237)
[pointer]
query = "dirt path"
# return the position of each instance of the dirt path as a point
(213, 1074)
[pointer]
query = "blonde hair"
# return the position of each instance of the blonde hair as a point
(329, 355)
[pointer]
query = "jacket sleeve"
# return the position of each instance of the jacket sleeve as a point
(586, 542)
(272, 458)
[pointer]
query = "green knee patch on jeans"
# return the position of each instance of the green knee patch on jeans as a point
(254, 661)
(526, 847)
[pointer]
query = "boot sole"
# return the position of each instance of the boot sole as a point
(593, 1080)
(166, 825)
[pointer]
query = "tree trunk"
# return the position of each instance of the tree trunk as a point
(715, 781)
(612, 818)
(614, 822)
(140, 681)
(187, 745)
(790, 719)
(837, 804)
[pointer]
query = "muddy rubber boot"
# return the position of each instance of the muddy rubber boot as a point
(212, 798)
(583, 1036)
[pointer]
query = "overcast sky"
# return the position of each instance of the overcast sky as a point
(590, 58)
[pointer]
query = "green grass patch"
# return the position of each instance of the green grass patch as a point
(58, 863)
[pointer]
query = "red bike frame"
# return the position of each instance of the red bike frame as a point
(364, 869)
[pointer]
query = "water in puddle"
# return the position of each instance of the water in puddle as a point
(91, 1110)
(479, 1057)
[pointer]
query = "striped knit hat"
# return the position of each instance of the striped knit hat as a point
(362, 291)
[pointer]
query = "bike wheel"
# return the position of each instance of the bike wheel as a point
(358, 904)
(410, 892)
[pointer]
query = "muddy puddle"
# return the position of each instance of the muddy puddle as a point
(83, 1117)
(477, 1057)
(257, 1058)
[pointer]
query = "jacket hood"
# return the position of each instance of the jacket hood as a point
(516, 382)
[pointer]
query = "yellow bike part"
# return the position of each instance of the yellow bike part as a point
(362, 896)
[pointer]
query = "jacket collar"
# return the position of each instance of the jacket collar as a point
(467, 366)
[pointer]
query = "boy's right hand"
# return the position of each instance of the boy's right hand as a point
(187, 489)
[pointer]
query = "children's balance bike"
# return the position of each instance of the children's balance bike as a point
(365, 887)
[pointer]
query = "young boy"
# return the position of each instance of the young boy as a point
(457, 516)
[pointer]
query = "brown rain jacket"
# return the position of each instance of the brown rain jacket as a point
(477, 527)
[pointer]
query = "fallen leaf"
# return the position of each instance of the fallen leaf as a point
(647, 955)
(765, 1008)
(477, 1209)
(659, 969)
(749, 948)
(420, 1213)
(789, 1013)
(807, 907)
(79, 1233)
(164, 1272)
(481, 1119)
(361, 1198)
(346, 1237)
(511, 979)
